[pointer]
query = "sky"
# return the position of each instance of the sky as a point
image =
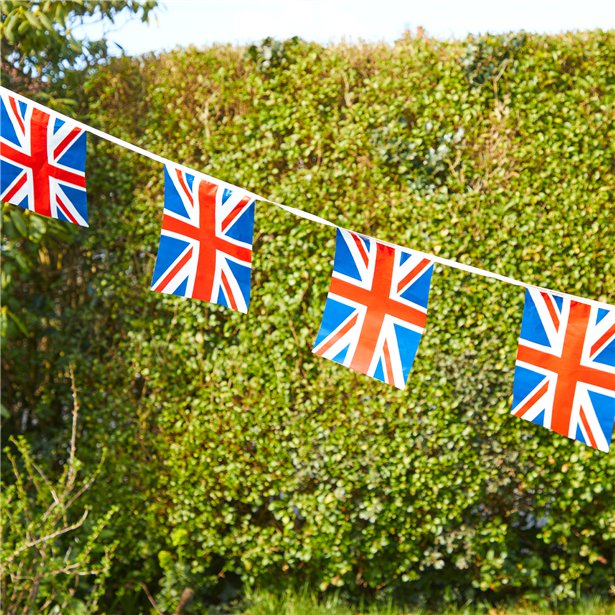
(180, 23)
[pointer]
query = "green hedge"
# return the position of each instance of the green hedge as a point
(237, 457)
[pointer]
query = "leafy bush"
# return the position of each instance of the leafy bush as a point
(241, 459)
(52, 560)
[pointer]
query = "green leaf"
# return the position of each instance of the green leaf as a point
(17, 217)
(8, 28)
(18, 322)
(45, 21)
(33, 19)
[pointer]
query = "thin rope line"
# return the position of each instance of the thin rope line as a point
(293, 210)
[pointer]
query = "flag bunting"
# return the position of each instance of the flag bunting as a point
(42, 161)
(565, 371)
(376, 308)
(205, 249)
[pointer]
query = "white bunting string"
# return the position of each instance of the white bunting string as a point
(293, 210)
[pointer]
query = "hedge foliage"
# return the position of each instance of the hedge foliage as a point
(237, 457)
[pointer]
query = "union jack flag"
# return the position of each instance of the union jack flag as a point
(565, 370)
(42, 162)
(376, 308)
(205, 249)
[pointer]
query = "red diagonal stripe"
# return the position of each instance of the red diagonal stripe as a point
(361, 247)
(549, 302)
(65, 143)
(388, 368)
(522, 409)
(16, 187)
(15, 108)
(234, 213)
(65, 210)
(229, 292)
(169, 277)
(414, 273)
(334, 339)
(588, 431)
(184, 185)
(602, 341)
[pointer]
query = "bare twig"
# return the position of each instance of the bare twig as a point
(68, 569)
(57, 500)
(84, 487)
(48, 537)
(73, 436)
(184, 600)
(150, 598)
